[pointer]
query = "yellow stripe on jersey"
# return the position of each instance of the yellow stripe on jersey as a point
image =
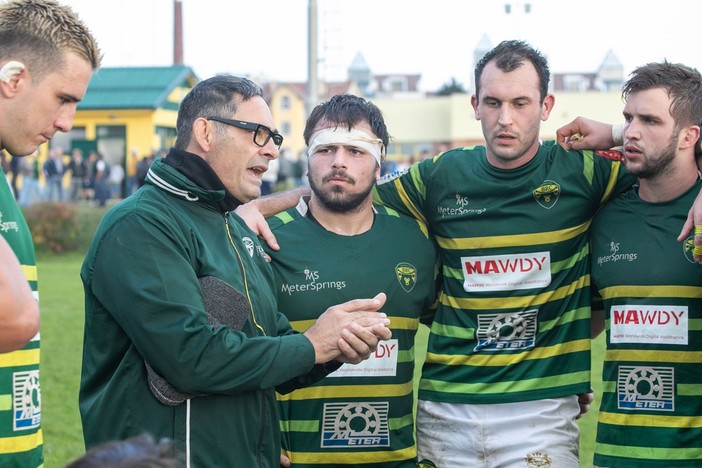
(612, 183)
(396, 323)
(5, 402)
(539, 238)
(30, 271)
(649, 420)
(515, 302)
(299, 425)
(542, 383)
(501, 360)
(21, 443)
(651, 291)
(689, 389)
(452, 331)
(637, 355)
(342, 457)
(650, 453)
(588, 165)
(25, 357)
(284, 216)
(312, 425)
(349, 391)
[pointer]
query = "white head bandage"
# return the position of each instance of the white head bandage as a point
(10, 69)
(353, 137)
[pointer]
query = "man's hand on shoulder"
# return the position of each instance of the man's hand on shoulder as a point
(585, 134)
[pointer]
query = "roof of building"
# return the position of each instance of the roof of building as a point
(135, 87)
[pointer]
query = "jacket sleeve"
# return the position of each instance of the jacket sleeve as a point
(318, 372)
(143, 277)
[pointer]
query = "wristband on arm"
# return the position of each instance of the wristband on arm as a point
(618, 134)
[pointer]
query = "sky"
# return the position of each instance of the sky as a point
(267, 39)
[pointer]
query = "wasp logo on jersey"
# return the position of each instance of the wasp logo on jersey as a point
(406, 275)
(506, 331)
(547, 194)
(356, 424)
(26, 400)
(645, 388)
(688, 247)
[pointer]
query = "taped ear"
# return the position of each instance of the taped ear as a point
(11, 69)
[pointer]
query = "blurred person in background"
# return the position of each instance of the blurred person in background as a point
(78, 168)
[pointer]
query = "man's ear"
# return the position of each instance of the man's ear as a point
(474, 103)
(202, 135)
(12, 76)
(690, 137)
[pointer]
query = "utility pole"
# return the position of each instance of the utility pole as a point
(312, 58)
(177, 32)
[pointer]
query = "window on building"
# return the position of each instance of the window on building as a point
(285, 102)
(63, 140)
(285, 128)
(396, 84)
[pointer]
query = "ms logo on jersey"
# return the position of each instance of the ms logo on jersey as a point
(508, 331)
(646, 388)
(406, 275)
(547, 194)
(361, 424)
(26, 400)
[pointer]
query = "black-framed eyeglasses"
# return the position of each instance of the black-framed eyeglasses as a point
(261, 134)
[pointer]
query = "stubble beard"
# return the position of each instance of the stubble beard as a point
(654, 167)
(337, 199)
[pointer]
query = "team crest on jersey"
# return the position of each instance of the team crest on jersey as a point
(538, 460)
(426, 464)
(357, 424)
(26, 400)
(249, 244)
(507, 331)
(547, 194)
(646, 388)
(688, 247)
(406, 275)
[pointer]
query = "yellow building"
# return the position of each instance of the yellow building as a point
(430, 124)
(287, 103)
(126, 109)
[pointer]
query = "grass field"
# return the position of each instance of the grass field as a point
(61, 296)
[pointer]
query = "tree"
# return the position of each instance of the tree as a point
(450, 88)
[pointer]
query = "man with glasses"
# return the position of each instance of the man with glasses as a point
(182, 334)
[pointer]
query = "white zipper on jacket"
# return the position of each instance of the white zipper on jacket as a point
(187, 433)
(162, 184)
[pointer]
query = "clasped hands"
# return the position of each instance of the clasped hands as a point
(349, 332)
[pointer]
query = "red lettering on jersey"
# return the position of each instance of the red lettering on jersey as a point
(610, 154)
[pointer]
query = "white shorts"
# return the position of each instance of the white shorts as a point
(530, 434)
